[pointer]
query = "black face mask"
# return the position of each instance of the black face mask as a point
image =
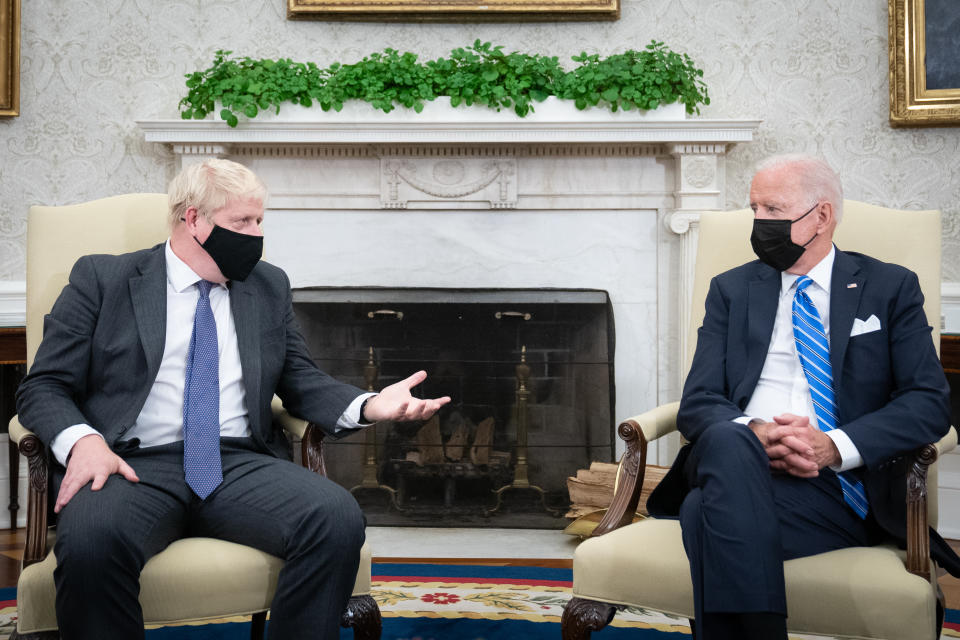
(235, 254)
(773, 244)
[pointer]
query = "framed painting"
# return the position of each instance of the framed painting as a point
(924, 63)
(454, 10)
(9, 57)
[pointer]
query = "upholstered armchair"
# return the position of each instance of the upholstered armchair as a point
(193, 579)
(875, 592)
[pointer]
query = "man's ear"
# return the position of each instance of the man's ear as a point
(190, 217)
(825, 215)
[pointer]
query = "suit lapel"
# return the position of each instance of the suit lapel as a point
(844, 302)
(247, 322)
(149, 299)
(764, 294)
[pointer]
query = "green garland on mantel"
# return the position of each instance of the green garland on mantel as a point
(480, 74)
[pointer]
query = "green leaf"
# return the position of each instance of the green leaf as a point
(611, 94)
(490, 75)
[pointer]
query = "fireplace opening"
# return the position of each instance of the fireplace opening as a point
(530, 376)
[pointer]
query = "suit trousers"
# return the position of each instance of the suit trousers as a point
(105, 537)
(740, 522)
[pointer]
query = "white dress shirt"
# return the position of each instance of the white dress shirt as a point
(783, 387)
(161, 418)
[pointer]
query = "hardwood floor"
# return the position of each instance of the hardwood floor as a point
(11, 549)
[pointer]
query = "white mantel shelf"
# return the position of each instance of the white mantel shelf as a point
(514, 131)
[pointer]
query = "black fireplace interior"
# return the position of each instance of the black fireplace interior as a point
(519, 365)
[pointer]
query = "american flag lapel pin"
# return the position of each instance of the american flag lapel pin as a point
(852, 285)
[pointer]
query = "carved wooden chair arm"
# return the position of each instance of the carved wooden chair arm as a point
(310, 436)
(918, 538)
(36, 454)
(636, 432)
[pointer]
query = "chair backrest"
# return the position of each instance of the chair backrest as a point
(908, 238)
(58, 236)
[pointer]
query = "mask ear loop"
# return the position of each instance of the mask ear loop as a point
(182, 219)
(809, 211)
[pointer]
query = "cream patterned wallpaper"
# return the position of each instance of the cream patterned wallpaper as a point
(814, 71)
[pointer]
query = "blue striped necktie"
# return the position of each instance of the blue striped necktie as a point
(201, 401)
(814, 351)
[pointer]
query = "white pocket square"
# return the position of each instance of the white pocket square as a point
(869, 325)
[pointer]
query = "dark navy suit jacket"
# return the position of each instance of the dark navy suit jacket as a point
(890, 388)
(104, 339)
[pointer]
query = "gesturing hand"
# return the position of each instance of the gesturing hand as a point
(90, 459)
(396, 403)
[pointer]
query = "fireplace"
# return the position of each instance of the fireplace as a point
(530, 374)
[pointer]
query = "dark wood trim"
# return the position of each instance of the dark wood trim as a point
(13, 345)
(258, 624)
(581, 617)
(35, 548)
(550, 563)
(363, 616)
(311, 450)
(950, 352)
(633, 466)
(918, 535)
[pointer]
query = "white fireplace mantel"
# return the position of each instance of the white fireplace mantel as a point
(516, 131)
(584, 200)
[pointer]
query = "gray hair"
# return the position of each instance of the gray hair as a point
(818, 179)
(211, 185)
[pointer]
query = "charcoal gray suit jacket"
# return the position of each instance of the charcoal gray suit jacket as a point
(104, 339)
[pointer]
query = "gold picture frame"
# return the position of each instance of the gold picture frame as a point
(9, 57)
(454, 10)
(912, 104)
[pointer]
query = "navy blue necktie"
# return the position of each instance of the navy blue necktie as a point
(814, 351)
(201, 401)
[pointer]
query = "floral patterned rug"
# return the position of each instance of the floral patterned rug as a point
(463, 602)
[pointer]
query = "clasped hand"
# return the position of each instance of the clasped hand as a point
(794, 446)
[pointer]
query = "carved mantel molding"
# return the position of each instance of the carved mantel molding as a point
(689, 134)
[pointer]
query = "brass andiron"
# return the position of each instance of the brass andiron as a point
(370, 466)
(521, 479)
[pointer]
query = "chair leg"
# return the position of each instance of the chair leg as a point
(581, 617)
(257, 625)
(40, 635)
(363, 615)
(941, 610)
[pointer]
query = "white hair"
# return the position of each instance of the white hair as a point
(211, 185)
(817, 178)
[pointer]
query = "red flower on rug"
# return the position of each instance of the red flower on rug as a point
(440, 598)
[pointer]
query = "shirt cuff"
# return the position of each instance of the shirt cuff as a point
(849, 454)
(63, 442)
(350, 419)
(745, 420)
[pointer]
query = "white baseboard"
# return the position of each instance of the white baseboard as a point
(13, 303)
(5, 487)
(948, 481)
